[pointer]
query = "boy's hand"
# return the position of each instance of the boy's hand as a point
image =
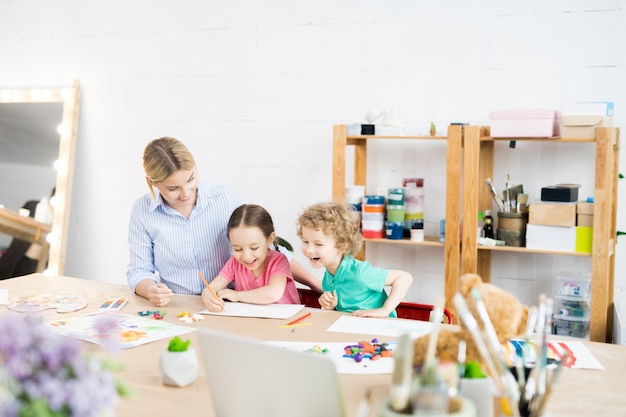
(371, 313)
(328, 300)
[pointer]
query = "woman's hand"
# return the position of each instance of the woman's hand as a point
(159, 295)
(328, 300)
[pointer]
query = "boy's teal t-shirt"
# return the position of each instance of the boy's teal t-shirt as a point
(359, 285)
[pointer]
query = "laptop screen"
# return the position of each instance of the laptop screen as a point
(248, 377)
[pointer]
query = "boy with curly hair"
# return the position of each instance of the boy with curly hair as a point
(331, 237)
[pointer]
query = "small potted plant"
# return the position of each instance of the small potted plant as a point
(179, 364)
(433, 129)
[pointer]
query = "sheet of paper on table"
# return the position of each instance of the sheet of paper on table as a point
(381, 327)
(335, 351)
(132, 330)
(269, 311)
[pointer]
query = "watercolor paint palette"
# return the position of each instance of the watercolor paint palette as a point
(61, 302)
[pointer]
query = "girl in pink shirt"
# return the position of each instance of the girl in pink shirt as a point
(261, 275)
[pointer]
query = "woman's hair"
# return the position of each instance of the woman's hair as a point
(334, 219)
(163, 157)
(252, 215)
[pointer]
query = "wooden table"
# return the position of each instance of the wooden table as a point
(28, 229)
(578, 393)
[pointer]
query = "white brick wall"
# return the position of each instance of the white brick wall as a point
(253, 89)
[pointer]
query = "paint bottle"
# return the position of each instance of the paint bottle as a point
(488, 226)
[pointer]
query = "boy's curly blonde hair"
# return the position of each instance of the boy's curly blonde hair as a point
(334, 219)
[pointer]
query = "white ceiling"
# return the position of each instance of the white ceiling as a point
(28, 132)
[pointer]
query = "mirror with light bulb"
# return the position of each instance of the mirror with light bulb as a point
(37, 144)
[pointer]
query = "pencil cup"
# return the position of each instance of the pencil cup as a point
(458, 407)
(512, 228)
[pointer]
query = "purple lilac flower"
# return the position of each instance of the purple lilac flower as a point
(36, 363)
(106, 325)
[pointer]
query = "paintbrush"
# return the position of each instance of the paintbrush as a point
(495, 348)
(472, 325)
(494, 194)
(532, 386)
(521, 364)
(508, 193)
(432, 397)
(537, 405)
(402, 376)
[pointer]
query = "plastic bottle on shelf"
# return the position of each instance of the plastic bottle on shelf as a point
(488, 225)
(481, 224)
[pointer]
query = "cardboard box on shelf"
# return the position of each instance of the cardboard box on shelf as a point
(522, 123)
(584, 220)
(581, 120)
(556, 238)
(584, 214)
(552, 214)
(584, 126)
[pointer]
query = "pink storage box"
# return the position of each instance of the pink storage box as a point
(525, 123)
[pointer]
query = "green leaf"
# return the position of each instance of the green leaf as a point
(178, 345)
(39, 408)
(473, 370)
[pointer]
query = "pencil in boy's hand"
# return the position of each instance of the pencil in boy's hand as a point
(211, 290)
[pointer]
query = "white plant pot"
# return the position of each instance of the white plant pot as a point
(178, 369)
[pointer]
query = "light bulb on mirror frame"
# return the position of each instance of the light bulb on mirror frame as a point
(36, 94)
(67, 93)
(52, 237)
(55, 201)
(6, 95)
(62, 129)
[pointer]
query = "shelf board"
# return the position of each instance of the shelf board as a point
(526, 250)
(428, 241)
(426, 137)
(536, 139)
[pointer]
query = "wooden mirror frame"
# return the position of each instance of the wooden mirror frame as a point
(70, 97)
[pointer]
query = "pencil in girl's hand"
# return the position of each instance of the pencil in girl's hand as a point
(211, 290)
(203, 279)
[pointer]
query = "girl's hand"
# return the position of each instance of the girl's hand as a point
(229, 294)
(210, 302)
(159, 295)
(328, 300)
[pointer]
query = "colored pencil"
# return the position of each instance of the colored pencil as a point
(211, 290)
(299, 319)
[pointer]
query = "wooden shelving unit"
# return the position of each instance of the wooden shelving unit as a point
(451, 246)
(478, 158)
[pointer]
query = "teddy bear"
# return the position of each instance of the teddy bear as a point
(507, 314)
